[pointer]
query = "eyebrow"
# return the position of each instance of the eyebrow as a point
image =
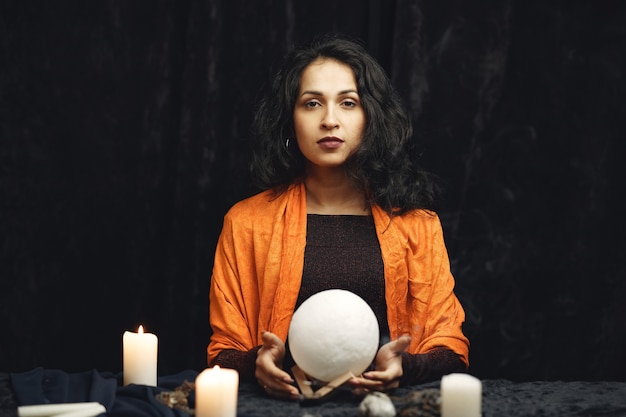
(319, 93)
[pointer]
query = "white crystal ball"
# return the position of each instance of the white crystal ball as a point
(332, 332)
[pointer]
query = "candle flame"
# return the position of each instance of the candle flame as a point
(140, 329)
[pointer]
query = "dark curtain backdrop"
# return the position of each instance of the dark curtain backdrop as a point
(124, 135)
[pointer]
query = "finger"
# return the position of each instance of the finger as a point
(401, 343)
(269, 372)
(270, 339)
(369, 386)
(364, 385)
(272, 349)
(281, 390)
(361, 385)
(384, 377)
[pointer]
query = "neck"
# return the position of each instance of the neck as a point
(334, 194)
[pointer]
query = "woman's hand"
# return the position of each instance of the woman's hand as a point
(269, 372)
(388, 368)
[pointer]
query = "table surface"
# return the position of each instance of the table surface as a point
(500, 397)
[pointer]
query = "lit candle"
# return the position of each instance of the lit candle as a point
(461, 396)
(140, 358)
(216, 392)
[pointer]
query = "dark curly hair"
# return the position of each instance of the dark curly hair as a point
(382, 165)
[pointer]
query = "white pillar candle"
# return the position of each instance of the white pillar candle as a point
(461, 396)
(84, 412)
(45, 410)
(140, 358)
(216, 392)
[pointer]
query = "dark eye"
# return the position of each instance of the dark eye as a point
(349, 103)
(312, 104)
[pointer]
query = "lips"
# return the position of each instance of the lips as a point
(330, 142)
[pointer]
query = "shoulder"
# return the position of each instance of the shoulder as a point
(420, 224)
(415, 228)
(254, 207)
(421, 217)
(251, 204)
(258, 208)
(411, 221)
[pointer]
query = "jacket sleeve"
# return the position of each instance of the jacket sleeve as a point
(227, 312)
(434, 305)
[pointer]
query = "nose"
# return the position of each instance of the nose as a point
(329, 121)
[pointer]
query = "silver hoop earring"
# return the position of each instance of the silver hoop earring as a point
(287, 143)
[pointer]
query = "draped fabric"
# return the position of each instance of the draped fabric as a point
(499, 397)
(124, 140)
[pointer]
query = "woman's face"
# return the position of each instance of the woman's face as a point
(328, 117)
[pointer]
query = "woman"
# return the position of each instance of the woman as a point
(343, 207)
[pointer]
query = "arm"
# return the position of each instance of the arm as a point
(434, 308)
(420, 301)
(227, 311)
(394, 367)
(419, 283)
(243, 362)
(263, 364)
(239, 340)
(431, 366)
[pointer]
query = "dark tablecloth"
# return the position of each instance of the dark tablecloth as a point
(501, 398)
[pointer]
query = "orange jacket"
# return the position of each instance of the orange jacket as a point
(258, 267)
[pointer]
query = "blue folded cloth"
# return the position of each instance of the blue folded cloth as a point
(51, 386)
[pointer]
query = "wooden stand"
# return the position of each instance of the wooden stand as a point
(306, 389)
